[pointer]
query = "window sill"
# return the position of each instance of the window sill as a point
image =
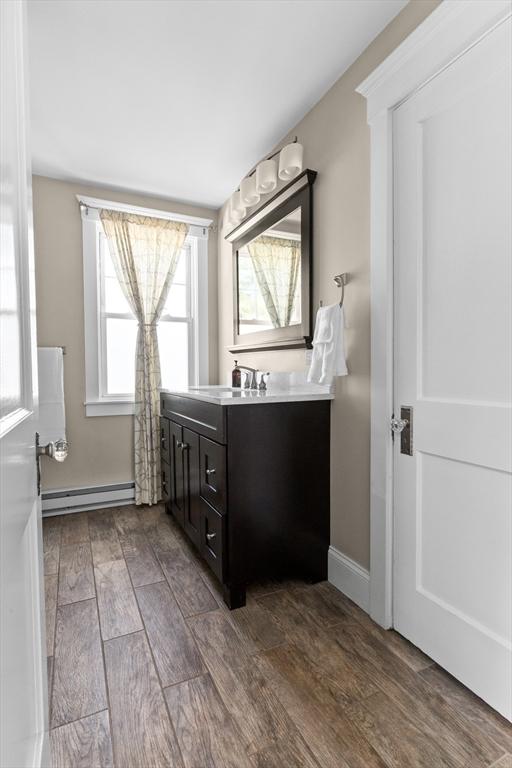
(110, 408)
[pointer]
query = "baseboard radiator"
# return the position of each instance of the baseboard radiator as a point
(61, 502)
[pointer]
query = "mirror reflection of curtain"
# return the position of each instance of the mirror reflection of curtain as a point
(276, 262)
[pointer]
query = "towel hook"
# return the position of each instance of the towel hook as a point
(341, 281)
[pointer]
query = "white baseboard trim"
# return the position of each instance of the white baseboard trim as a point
(349, 577)
(65, 500)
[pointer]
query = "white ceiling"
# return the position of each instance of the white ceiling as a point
(180, 98)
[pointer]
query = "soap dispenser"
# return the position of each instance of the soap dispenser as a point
(236, 376)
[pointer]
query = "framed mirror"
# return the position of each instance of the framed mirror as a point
(272, 272)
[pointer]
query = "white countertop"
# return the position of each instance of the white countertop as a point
(223, 395)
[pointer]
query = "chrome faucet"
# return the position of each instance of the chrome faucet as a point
(254, 381)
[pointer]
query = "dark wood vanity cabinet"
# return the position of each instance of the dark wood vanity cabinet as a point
(249, 485)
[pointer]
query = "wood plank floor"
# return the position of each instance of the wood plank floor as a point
(147, 668)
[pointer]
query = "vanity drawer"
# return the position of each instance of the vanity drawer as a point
(166, 482)
(212, 460)
(204, 418)
(164, 441)
(212, 538)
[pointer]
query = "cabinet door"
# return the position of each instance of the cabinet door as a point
(213, 473)
(212, 538)
(191, 484)
(166, 482)
(176, 469)
(164, 441)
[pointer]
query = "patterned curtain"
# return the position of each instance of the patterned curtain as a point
(276, 262)
(145, 253)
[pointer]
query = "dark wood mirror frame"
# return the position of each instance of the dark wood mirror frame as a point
(297, 194)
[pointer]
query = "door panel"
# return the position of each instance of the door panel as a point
(453, 365)
(191, 485)
(176, 456)
(23, 694)
(451, 523)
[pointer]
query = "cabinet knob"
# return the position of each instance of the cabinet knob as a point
(183, 446)
(210, 536)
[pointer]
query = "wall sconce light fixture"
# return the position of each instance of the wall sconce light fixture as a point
(263, 179)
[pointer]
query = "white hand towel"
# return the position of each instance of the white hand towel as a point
(52, 416)
(328, 359)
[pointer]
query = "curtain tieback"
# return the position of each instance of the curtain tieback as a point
(148, 325)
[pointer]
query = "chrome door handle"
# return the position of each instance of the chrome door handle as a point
(210, 471)
(210, 536)
(57, 450)
(398, 425)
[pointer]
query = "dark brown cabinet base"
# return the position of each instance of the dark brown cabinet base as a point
(249, 484)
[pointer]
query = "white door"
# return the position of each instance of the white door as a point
(453, 346)
(22, 666)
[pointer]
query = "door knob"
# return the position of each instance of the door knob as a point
(403, 427)
(210, 536)
(57, 450)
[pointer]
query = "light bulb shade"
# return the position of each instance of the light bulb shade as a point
(248, 191)
(290, 161)
(237, 207)
(266, 177)
(229, 220)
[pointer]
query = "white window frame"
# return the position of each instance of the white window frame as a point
(96, 402)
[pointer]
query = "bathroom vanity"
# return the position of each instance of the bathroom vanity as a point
(246, 476)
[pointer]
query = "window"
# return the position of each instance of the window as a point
(252, 311)
(111, 329)
(252, 305)
(118, 328)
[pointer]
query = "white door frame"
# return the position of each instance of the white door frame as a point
(452, 28)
